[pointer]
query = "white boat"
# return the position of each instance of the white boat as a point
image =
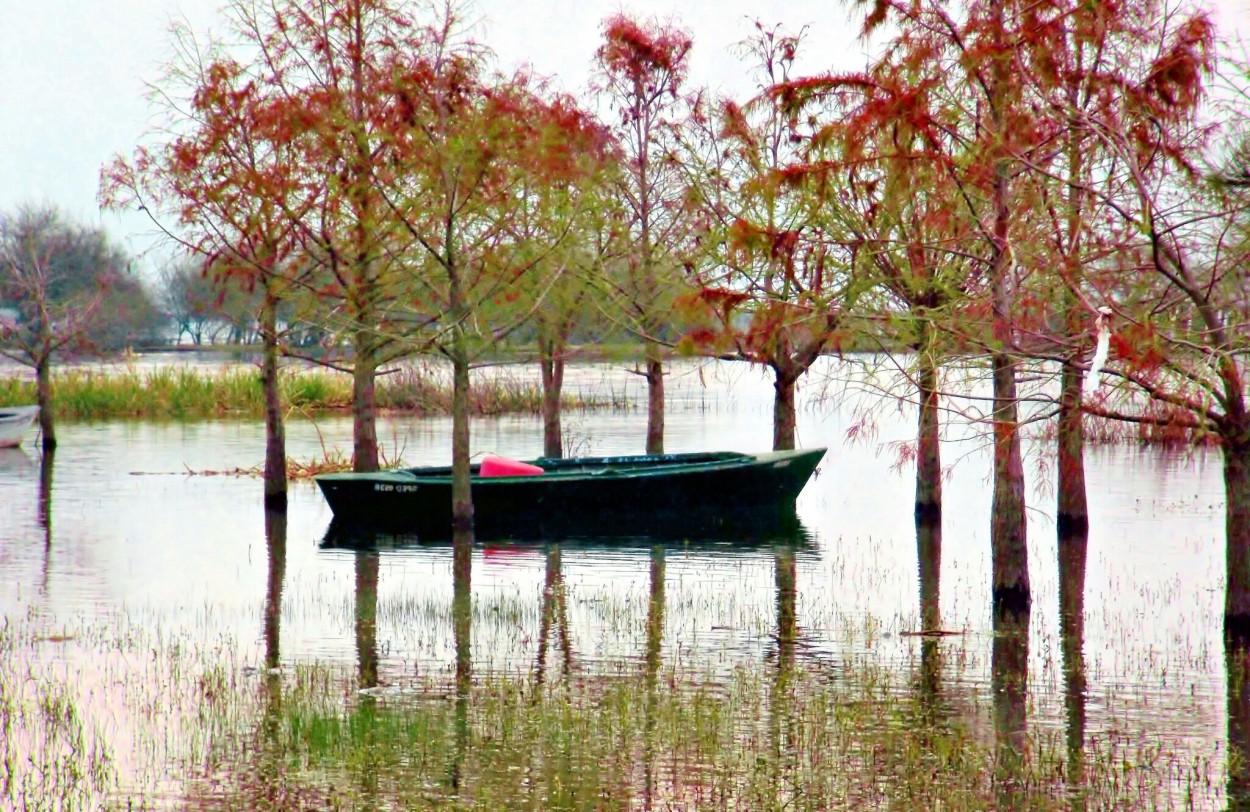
(14, 420)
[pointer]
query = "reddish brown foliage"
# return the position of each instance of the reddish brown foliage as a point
(640, 51)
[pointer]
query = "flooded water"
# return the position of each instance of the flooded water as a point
(139, 529)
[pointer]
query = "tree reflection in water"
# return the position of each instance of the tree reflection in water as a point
(655, 639)
(275, 548)
(43, 511)
(462, 627)
(1237, 668)
(783, 724)
(273, 757)
(1073, 549)
(366, 623)
(552, 615)
(929, 564)
(1009, 677)
(366, 620)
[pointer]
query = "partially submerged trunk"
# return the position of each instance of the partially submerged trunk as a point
(784, 413)
(1072, 515)
(1237, 536)
(458, 353)
(1010, 588)
(1008, 540)
(275, 430)
(461, 487)
(364, 406)
(655, 400)
(552, 362)
(928, 438)
(43, 396)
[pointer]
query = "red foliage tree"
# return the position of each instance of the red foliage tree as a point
(1177, 288)
(642, 67)
(487, 183)
(773, 283)
(949, 82)
(226, 187)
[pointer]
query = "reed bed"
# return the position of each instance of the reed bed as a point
(189, 393)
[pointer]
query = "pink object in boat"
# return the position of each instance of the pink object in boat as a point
(502, 466)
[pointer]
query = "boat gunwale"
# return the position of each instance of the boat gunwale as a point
(582, 468)
(15, 414)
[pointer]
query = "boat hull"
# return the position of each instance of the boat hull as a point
(600, 496)
(14, 421)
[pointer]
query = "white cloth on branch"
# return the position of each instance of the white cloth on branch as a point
(1103, 325)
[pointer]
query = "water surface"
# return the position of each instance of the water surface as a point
(149, 524)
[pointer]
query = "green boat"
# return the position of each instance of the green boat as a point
(631, 495)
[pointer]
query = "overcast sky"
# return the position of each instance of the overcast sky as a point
(72, 72)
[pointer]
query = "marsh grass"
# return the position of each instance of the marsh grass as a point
(188, 393)
(128, 714)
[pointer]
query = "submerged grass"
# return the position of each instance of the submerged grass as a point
(184, 392)
(189, 724)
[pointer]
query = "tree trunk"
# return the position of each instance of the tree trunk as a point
(1072, 515)
(928, 440)
(461, 489)
(784, 416)
(1237, 536)
(655, 401)
(43, 396)
(275, 430)
(364, 406)
(552, 362)
(1008, 548)
(1008, 539)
